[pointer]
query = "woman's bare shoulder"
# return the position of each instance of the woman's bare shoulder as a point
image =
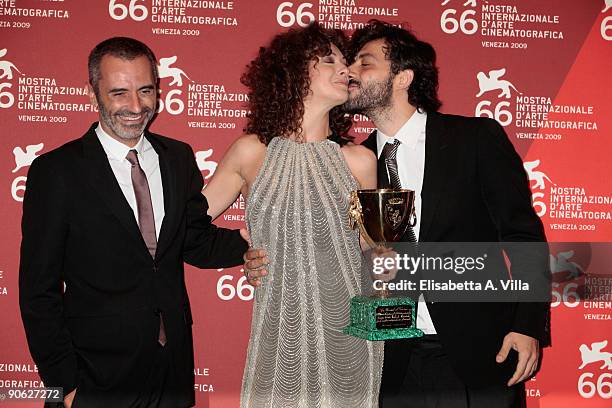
(362, 163)
(247, 146)
(358, 152)
(249, 141)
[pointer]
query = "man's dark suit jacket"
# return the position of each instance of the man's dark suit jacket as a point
(101, 334)
(475, 190)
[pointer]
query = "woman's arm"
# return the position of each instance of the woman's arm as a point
(231, 174)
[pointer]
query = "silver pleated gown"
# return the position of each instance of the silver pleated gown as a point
(297, 354)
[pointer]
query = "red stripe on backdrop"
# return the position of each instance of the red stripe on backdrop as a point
(575, 201)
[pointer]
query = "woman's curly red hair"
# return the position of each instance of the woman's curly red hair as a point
(278, 82)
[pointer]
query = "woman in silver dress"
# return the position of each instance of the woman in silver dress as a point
(296, 167)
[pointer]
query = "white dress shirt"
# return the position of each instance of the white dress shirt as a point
(116, 153)
(411, 169)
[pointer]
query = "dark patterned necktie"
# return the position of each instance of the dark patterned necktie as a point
(146, 220)
(390, 154)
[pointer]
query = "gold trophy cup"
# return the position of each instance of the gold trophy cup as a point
(382, 215)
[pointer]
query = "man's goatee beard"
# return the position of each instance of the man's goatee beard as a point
(372, 100)
(128, 132)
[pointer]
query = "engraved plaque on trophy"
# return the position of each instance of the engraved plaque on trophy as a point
(382, 215)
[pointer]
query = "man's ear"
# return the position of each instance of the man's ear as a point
(92, 95)
(403, 79)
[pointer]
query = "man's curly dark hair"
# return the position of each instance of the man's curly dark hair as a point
(405, 51)
(278, 82)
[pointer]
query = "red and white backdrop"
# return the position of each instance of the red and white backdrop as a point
(541, 68)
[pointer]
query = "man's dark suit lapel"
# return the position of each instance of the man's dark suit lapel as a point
(167, 166)
(436, 165)
(102, 179)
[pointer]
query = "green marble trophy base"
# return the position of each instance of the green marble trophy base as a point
(376, 318)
